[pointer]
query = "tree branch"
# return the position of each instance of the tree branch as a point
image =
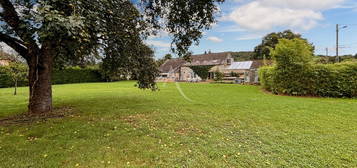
(11, 17)
(15, 44)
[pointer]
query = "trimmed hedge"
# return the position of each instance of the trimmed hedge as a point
(65, 76)
(325, 80)
(76, 75)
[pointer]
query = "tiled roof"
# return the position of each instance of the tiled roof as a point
(208, 59)
(171, 65)
(259, 63)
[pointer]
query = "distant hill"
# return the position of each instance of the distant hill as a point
(243, 55)
(333, 59)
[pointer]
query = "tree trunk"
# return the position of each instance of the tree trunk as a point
(40, 72)
(15, 92)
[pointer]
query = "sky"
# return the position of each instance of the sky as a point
(242, 24)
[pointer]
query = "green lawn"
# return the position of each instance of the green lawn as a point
(117, 125)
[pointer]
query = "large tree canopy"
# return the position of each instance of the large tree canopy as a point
(51, 32)
(271, 40)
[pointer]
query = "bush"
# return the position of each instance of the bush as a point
(325, 80)
(64, 76)
(202, 71)
(218, 76)
(76, 75)
(294, 74)
(335, 80)
(6, 79)
(266, 77)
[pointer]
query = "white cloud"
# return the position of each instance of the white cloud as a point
(233, 28)
(160, 34)
(258, 15)
(214, 39)
(157, 43)
(250, 37)
(303, 4)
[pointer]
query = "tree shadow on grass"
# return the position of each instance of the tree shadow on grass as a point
(27, 118)
(91, 106)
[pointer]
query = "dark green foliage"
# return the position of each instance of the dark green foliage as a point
(202, 71)
(271, 40)
(294, 74)
(335, 80)
(64, 76)
(218, 76)
(161, 61)
(266, 75)
(168, 56)
(326, 80)
(76, 75)
(243, 56)
(185, 20)
(81, 32)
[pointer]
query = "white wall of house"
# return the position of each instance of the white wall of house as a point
(4, 62)
(187, 74)
(168, 77)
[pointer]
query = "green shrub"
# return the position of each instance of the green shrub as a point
(202, 71)
(335, 80)
(266, 77)
(6, 79)
(64, 76)
(76, 75)
(218, 76)
(294, 74)
(325, 80)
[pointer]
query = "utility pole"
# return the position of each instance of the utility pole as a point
(337, 36)
(337, 31)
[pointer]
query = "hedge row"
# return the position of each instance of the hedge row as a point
(331, 80)
(65, 76)
(76, 75)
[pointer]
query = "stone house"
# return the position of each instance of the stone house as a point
(179, 70)
(170, 70)
(5, 58)
(245, 71)
(4, 62)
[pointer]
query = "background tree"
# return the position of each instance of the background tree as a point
(271, 40)
(164, 59)
(17, 71)
(218, 76)
(202, 71)
(47, 32)
(293, 60)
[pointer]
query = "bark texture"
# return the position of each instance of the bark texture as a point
(40, 70)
